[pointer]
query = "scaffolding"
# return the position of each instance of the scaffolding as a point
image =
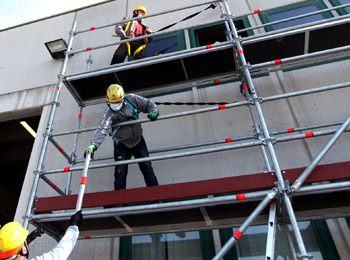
(275, 193)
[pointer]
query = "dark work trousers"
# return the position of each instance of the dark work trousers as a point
(121, 152)
(122, 51)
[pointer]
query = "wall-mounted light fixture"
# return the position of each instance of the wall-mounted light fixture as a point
(57, 48)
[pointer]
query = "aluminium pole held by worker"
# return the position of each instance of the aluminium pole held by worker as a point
(83, 182)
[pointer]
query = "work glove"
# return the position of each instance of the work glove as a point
(76, 219)
(153, 116)
(91, 149)
(34, 234)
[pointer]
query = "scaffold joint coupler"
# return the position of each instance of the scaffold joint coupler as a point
(253, 99)
(55, 103)
(89, 61)
(227, 16)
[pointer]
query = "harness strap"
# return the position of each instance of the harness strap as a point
(135, 116)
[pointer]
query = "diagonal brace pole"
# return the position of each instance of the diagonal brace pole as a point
(246, 224)
(298, 182)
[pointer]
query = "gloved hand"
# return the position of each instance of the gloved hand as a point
(153, 116)
(91, 149)
(76, 219)
(34, 234)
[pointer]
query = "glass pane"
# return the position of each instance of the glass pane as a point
(343, 2)
(173, 246)
(292, 13)
(162, 46)
(252, 245)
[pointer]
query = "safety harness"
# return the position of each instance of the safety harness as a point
(135, 116)
(131, 31)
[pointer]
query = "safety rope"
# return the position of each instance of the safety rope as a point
(213, 5)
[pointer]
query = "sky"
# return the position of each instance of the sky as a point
(14, 12)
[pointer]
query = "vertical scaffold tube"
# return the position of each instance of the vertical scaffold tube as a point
(268, 139)
(49, 129)
(74, 150)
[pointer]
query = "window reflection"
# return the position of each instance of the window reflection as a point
(252, 245)
(173, 246)
(292, 13)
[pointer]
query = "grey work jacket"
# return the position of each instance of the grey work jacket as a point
(129, 135)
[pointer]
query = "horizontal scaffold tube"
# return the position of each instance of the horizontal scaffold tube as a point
(149, 15)
(150, 60)
(214, 108)
(192, 203)
(288, 60)
(147, 36)
(297, 29)
(227, 140)
(195, 152)
(293, 18)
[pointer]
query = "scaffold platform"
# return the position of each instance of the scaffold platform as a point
(215, 60)
(207, 215)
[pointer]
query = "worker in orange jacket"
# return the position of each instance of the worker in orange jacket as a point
(128, 30)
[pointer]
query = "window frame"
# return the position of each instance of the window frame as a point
(194, 38)
(264, 16)
(205, 237)
(341, 11)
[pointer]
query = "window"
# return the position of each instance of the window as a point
(166, 44)
(342, 11)
(252, 245)
(194, 245)
(292, 11)
(213, 33)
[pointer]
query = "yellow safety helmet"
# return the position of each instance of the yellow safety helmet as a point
(12, 237)
(115, 93)
(141, 8)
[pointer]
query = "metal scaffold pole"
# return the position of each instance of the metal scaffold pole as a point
(49, 128)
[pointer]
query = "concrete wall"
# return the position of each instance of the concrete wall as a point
(29, 75)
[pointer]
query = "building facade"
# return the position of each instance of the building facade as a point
(305, 58)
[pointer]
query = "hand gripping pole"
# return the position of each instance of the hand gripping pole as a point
(83, 182)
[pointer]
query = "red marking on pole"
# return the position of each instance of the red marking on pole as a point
(58, 88)
(278, 61)
(220, 6)
(216, 81)
(88, 49)
(240, 196)
(83, 180)
(228, 140)
(209, 46)
(88, 237)
(309, 134)
(245, 86)
(222, 106)
(53, 185)
(240, 51)
(79, 116)
(290, 130)
(256, 11)
(66, 169)
(237, 234)
(60, 149)
(92, 28)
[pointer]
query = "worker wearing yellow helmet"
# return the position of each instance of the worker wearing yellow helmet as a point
(14, 240)
(128, 139)
(132, 29)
